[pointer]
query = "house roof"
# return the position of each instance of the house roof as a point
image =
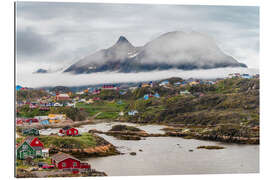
(29, 139)
(66, 127)
(60, 156)
(63, 95)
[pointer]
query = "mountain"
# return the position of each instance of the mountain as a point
(49, 70)
(60, 89)
(179, 50)
(41, 71)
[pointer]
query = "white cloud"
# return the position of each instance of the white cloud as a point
(79, 29)
(65, 79)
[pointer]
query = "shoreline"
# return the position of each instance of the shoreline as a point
(169, 131)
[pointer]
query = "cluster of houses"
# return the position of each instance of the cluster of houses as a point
(98, 89)
(43, 120)
(20, 88)
(190, 82)
(244, 76)
(31, 148)
(45, 105)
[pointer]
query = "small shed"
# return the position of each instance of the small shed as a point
(31, 132)
(132, 113)
(45, 152)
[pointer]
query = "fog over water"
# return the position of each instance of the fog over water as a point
(25, 77)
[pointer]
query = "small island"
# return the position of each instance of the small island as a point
(210, 147)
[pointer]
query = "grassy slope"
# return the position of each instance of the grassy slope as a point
(108, 109)
(83, 141)
(233, 101)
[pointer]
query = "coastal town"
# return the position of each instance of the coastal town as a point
(223, 109)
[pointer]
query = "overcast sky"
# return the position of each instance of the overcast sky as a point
(58, 34)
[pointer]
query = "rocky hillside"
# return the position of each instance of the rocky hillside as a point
(230, 101)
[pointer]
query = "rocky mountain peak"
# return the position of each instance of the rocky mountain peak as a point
(122, 39)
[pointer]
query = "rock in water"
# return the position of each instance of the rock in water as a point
(133, 153)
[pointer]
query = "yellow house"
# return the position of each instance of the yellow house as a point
(57, 116)
(193, 83)
(54, 121)
(70, 94)
(90, 101)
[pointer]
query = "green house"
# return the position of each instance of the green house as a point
(30, 147)
(31, 132)
(25, 150)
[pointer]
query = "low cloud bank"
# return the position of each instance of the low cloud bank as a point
(66, 79)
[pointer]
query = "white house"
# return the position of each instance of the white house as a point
(57, 105)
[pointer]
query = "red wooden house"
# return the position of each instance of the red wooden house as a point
(32, 120)
(62, 97)
(66, 161)
(96, 99)
(68, 131)
(34, 142)
(44, 108)
(97, 91)
(33, 106)
(19, 121)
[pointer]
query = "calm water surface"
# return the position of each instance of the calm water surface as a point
(171, 155)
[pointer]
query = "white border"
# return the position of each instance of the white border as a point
(7, 85)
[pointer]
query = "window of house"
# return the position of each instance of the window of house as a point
(24, 146)
(74, 164)
(36, 142)
(64, 164)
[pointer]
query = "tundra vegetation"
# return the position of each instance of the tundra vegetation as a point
(230, 107)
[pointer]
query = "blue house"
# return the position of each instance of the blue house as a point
(246, 76)
(18, 87)
(44, 122)
(146, 97)
(157, 95)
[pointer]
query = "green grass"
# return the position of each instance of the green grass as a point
(83, 141)
(109, 110)
(107, 115)
(19, 140)
(19, 164)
